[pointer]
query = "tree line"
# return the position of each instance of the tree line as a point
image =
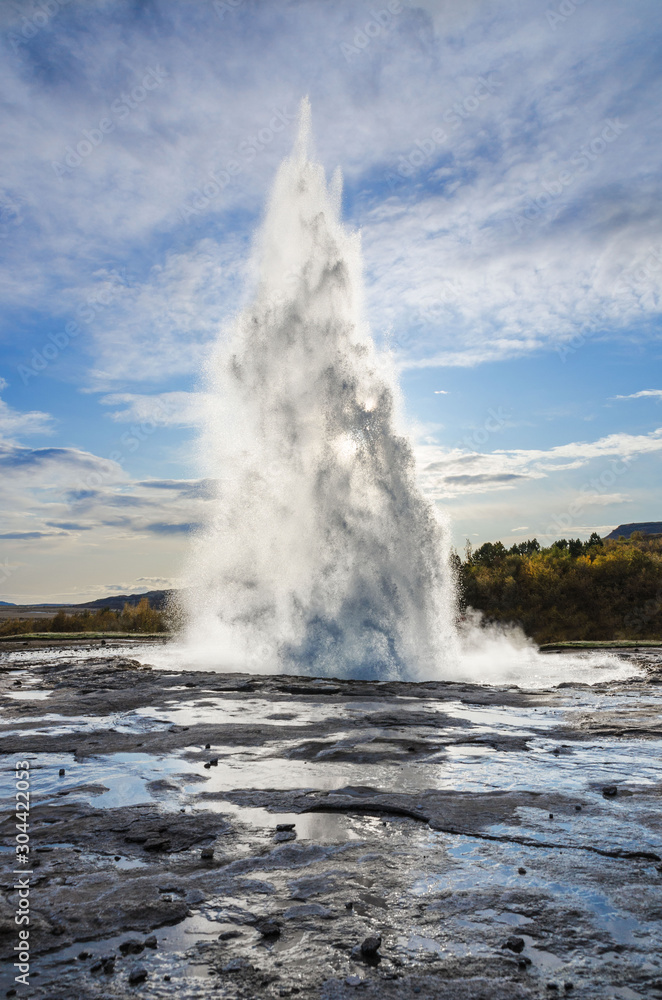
(132, 618)
(600, 589)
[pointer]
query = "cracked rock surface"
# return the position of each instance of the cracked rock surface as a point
(246, 837)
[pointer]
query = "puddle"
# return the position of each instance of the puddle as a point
(322, 828)
(28, 694)
(474, 868)
(166, 958)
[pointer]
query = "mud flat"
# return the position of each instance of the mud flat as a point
(239, 836)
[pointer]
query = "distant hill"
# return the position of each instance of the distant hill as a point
(7, 604)
(157, 599)
(645, 527)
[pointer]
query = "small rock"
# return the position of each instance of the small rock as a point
(84, 954)
(354, 981)
(62, 772)
(207, 765)
(551, 815)
(349, 905)
(106, 962)
(236, 965)
(285, 826)
(578, 809)
(552, 986)
(150, 942)
(132, 947)
(371, 945)
(523, 962)
(118, 857)
(207, 746)
(568, 986)
(610, 791)
(157, 844)
(228, 935)
(521, 871)
(166, 979)
(214, 762)
(284, 835)
(514, 943)
(207, 853)
(268, 928)
(137, 975)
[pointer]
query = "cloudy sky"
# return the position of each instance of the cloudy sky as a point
(502, 161)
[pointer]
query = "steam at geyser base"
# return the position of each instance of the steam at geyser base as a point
(319, 554)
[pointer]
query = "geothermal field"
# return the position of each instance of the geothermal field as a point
(211, 834)
(327, 781)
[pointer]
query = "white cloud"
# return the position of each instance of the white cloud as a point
(15, 424)
(165, 409)
(654, 393)
(447, 472)
(447, 268)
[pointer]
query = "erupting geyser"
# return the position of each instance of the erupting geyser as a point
(320, 554)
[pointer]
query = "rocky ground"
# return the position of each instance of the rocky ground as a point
(201, 835)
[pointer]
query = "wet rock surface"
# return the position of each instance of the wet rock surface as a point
(347, 839)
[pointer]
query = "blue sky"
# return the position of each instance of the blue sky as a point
(502, 161)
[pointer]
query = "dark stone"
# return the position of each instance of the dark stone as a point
(284, 835)
(237, 965)
(84, 954)
(106, 962)
(285, 826)
(214, 762)
(207, 853)
(578, 809)
(552, 986)
(568, 986)
(207, 746)
(514, 943)
(62, 772)
(551, 815)
(150, 942)
(208, 765)
(268, 928)
(521, 871)
(228, 935)
(610, 791)
(137, 975)
(371, 945)
(132, 947)
(157, 844)
(523, 962)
